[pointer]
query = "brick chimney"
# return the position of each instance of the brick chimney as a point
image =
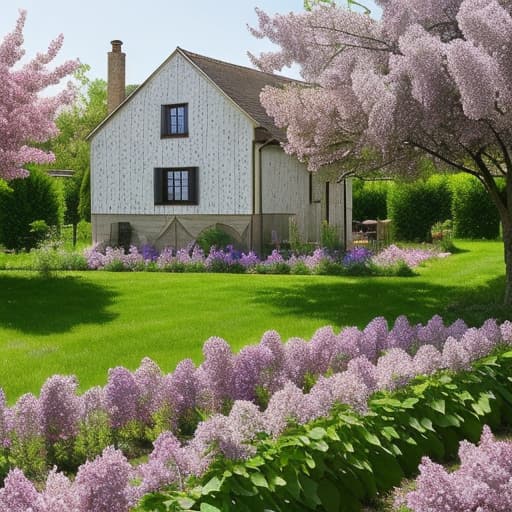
(116, 76)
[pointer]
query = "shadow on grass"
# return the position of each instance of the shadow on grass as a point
(359, 300)
(38, 305)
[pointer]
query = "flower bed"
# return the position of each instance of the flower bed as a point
(321, 261)
(259, 390)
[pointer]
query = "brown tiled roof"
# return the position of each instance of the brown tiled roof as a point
(243, 85)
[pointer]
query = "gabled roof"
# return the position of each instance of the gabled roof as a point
(241, 84)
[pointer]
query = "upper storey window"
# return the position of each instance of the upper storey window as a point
(175, 120)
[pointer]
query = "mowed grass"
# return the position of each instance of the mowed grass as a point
(84, 323)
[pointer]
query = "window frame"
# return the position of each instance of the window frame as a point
(161, 179)
(165, 128)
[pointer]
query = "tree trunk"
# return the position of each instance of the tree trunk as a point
(75, 227)
(507, 241)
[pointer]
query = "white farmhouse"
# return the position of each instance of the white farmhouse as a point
(193, 148)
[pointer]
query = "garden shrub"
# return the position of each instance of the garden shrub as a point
(473, 212)
(329, 238)
(415, 207)
(213, 237)
(369, 199)
(34, 198)
(342, 461)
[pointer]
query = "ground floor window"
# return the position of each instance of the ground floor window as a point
(176, 185)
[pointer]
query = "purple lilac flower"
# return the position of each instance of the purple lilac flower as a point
(216, 374)
(148, 378)
(297, 360)
(149, 252)
(24, 420)
(314, 260)
(274, 377)
(123, 396)
(274, 258)
(350, 344)
(476, 344)
(4, 441)
(180, 388)
(394, 369)
(249, 368)
(481, 483)
(457, 329)
(60, 408)
(216, 436)
(249, 260)
(491, 330)
(166, 257)
(284, 406)
(19, 494)
(434, 332)
(169, 463)
(323, 349)
(427, 360)
(455, 356)
(102, 484)
(357, 256)
(362, 368)
(403, 334)
(94, 401)
(59, 494)
(506, 331)
(375, 337)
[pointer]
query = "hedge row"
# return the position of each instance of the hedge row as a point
(415, 207)
(341, 462)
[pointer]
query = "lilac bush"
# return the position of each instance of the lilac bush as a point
(302, 381)
(411, 257)
(482, 482)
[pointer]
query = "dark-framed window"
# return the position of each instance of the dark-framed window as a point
(177, 185)
(174, 120)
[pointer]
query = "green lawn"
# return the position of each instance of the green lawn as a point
(83, 323)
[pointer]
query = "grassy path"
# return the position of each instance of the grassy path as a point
(83, 323)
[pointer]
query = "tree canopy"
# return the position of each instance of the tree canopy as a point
(26, 117)
(430, 79)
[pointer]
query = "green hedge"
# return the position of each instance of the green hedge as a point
(474, 214)
(341, 462)
(369, 200)
(415, 207)
(35, 198)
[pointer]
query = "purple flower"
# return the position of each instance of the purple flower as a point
(60, 407)
(59, 494)
(19, 494)
(25, 418)
(394, 369)
(357, 256)
(427, 360)
(216, 374)
(297, 360)
(148, 378)
(455, 356)
(123, 396)
(375, 337)
(102, 484)
(403, 334)
(249, 369)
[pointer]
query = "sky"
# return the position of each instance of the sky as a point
(150, 29)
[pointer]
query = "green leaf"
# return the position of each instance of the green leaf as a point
(206, 507)
(317, 433)
(259, 480)
(448, 420)
(329, 495)
(409, 403)
(438, 405)
(371, 438)
(213, 485)
(185, 503)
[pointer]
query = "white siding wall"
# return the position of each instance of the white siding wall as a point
(285, 189)
(126, 150)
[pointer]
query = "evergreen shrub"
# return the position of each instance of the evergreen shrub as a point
(415, 207)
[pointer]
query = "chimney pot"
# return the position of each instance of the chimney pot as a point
(116, 45)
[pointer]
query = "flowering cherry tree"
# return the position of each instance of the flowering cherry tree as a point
(26, 117)
(431, 80)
